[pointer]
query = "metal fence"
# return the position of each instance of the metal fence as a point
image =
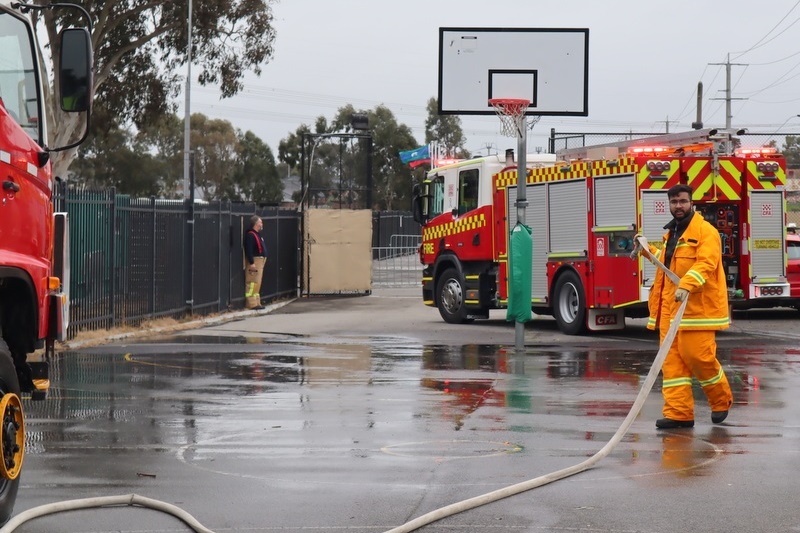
(396, 238)
(133, 259)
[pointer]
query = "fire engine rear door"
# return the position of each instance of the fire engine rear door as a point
(766, 235)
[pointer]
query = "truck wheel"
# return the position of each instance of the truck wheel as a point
(569, 305)
(450, 297)
(12, 433)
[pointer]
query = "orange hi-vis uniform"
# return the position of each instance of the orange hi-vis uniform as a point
(697, 261)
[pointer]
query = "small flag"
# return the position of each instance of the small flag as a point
(416, 154)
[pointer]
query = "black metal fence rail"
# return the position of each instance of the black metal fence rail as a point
(131, 259)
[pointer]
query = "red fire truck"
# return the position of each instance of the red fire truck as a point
(584, 209)
(33, 238)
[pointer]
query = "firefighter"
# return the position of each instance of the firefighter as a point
(255, 255)
(691, 249)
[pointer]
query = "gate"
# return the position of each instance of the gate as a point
(396, 238)
(397, 265)
(336, 255)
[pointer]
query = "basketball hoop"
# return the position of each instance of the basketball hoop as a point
(510, 111)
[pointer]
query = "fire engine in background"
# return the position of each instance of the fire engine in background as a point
(33, 238)
(584, 210)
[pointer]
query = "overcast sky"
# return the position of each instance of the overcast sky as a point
(645, 60)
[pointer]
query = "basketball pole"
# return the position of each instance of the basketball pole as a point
(522, 203)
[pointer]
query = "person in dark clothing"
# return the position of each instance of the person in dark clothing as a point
(255, 257)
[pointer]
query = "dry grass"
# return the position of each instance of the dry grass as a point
(155, 326)
(146, 328)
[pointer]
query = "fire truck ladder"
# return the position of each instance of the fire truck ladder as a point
(669, 144)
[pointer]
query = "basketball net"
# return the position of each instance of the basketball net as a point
(511, 112)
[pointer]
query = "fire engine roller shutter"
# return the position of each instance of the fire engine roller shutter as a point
(567, 214)
(766, 234)
(534, 214)
(655, 215)
(615, 201)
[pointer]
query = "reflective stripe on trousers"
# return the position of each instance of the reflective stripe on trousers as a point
(693, 353)
(252, 282)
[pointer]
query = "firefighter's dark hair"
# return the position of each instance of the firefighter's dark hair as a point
(675, 190)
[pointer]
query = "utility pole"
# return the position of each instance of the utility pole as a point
(667, 123)
(728, 97)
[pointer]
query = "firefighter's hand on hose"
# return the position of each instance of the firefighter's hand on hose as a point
(637, 249)
(681, 294)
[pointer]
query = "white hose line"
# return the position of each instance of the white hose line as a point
(104, 501)
(499, 494)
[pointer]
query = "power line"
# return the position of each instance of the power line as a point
(761, 42)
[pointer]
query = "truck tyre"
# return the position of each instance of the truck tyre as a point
(450, 297)
(569, 304)
(9, 384)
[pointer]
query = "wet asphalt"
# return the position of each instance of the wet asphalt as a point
(358, 414)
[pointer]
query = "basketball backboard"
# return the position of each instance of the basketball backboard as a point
(548, 66)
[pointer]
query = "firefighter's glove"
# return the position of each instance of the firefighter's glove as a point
(637, 250)
(681, 295)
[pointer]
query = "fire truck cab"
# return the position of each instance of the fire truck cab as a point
(584, 208)
(34, 251)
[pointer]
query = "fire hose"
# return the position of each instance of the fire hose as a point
(438, 514)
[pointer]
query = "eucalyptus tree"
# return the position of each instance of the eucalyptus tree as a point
(141, 47)
(445, 130)
(337, 155)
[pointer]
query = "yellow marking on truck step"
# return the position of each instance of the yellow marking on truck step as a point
(566, 254)
(626, 304)
(611, 228)
(41, 384)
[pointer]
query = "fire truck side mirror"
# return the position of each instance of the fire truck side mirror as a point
(416, 204)
(75, 70)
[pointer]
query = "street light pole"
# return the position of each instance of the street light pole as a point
(188, 174)
(774, 133)
(187, 108)
(785, 121)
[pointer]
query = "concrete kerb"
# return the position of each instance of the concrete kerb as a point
(172, 328)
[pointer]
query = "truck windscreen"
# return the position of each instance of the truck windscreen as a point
(18, 75)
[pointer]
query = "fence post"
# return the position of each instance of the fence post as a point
(189, 255)
(153, 252)
(113, 243)
(219, 256)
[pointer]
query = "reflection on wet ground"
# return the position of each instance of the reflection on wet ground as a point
(224, 401)
(470, 375)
